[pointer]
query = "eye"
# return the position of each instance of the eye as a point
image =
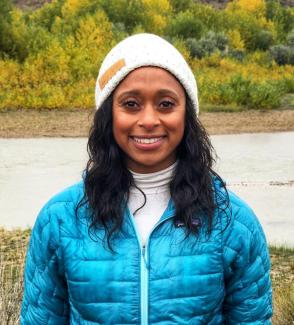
(166, 104)
(130, 104)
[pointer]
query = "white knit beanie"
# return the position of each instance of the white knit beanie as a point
(138, 51)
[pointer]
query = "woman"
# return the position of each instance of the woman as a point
(151, 235)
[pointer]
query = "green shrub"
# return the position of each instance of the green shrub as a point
(239, 91)
(5, 27)
(208, 44)
(181, 5)
(236, 91)
(264, 95)
(129, 13)
(287, 84)
(263, 40)
(290, 38)
(185, 25)
(236, 54)
(282, 54)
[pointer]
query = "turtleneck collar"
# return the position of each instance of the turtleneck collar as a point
(153, 182)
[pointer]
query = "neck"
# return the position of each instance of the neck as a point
(153, 182)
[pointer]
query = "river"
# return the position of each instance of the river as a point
(257, 167)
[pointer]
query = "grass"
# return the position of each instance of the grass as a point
(287, 102)
(282, 260)
(12, 254)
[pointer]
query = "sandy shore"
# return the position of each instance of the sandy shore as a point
(26, 124)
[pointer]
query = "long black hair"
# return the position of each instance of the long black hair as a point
(107, 180)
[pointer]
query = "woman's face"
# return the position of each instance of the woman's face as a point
(149, 118)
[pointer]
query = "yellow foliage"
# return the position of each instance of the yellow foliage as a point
(228, 66)
(139, 29)
(156, 15)
(56, 26)
(160, 6)
(94, 31)
(72, 7)
(9, 72)
(212, 60)
(18, 31)
(81, 95)
(94, 39)
(256, 7)
(50, 65)
(62, 73)
(210, 78)
(182, 48)
(252, 5)
(235, 40)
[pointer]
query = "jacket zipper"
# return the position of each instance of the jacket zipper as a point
(144, 266)
(144, 287)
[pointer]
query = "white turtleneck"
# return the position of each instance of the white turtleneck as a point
(156, 188)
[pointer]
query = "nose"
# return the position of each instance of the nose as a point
(148, 118)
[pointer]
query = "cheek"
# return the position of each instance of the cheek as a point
(120, 128)
(177, 125)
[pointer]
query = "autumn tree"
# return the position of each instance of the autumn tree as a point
(5, 26)
(185, 25)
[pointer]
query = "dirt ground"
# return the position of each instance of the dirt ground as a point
(46, 123)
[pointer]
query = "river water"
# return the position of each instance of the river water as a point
(257, 167)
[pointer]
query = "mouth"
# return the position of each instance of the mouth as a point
(147, 143)
(147, 140)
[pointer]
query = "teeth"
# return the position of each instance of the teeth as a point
(146, 141)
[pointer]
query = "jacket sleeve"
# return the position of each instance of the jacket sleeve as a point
(45, 292)
(248, 298)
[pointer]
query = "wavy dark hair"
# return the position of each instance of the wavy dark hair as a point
(107, 180)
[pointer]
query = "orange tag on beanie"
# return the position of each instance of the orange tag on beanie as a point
(110, 72)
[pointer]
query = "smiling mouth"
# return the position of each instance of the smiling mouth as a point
(147, 140)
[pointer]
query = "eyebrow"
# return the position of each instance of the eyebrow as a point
(136, 92)
(129, 93)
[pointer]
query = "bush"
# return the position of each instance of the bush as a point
(208, 44)
(239, 91)
(249, 19)
(290, 38)
(129, 13)
(237, 54)
(196, 48)
(236, 91)
(263, 40)
(250, 94)
(287, 84)
(264, 95)
(282, 54)
(5, 26)
(181, 5)
(185, 25)
(261, 59)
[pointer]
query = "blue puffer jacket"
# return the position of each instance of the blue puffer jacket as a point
(73, 279)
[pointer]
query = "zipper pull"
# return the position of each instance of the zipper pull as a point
(144, 256)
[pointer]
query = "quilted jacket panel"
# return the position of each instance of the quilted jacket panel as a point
(71, 278)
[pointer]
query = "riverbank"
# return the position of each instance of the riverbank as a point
(13, 248)
(76, 123)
